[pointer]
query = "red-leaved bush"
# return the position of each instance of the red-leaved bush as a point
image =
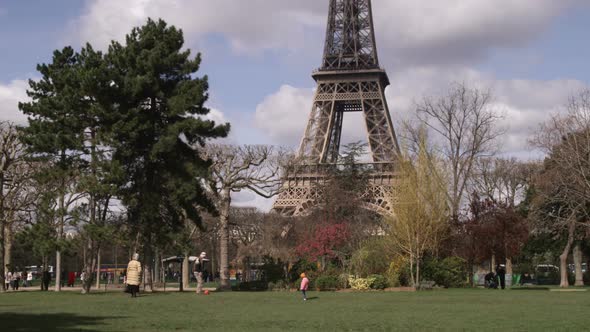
(324, 240)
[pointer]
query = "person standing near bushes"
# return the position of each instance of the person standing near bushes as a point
(501, 272)
(134, 275)
(304, 285)
(7, 279)
(45, 279)
(199, 269)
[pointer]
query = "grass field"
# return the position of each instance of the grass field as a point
(449, 310)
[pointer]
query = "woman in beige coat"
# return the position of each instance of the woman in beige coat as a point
(134, 275)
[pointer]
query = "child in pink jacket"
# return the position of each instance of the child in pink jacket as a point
(304, 285)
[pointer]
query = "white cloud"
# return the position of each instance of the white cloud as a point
(409, 32)
(248, 198)
(248, 25)
(10, 95)
(283, 115)
(456, 31)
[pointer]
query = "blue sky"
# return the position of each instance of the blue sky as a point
(533, 54)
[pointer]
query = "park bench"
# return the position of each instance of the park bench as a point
(426, 284)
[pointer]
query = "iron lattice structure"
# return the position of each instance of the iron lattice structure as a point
(350, 80)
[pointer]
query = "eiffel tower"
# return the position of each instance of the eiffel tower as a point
(349, 80)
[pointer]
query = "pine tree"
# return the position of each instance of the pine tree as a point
(155, 122)
(56, 124)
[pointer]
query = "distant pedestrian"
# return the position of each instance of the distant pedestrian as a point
(134, 275)
(501, 272)
(7, 279)
(16, 280)
(71, 279)
(199, 270)
(13, 280)
(45, 280)
(304, 285)
(29, 279)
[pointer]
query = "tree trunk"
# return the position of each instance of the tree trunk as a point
(412, 271)
(225, 202)
(508, 272)
(185, 272)
(157, 266)
(578, 265)
(60, 229)
(8, 245)
(116, 276)
(563, 257)
(2, 265)
(493, 263)
(471, 274)
(147, 269)
(90, 262)
(98, 270)
(418, 271)
(3, 269)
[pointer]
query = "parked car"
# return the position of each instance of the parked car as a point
(572, 268)
(547, 274)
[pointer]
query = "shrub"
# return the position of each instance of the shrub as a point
(398, 273)
(371, 258)
(327, 282)
(272, 270)
(280, 285)
(302, 266)
(448, 272)
(379, 281)
(360, 283)
(343, 280)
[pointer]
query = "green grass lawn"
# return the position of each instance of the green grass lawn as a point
(450, 310)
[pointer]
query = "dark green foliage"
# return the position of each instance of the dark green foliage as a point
(273, 271)
(251, 286)
(302, 266)
(371, 258)
(154, 126)
(57, 110)
(327, 282)
(279, 285)
(550, 276)
(380, 282)
(447, 272)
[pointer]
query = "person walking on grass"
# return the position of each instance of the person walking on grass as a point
(7, 279)
(304, 285)
(199, 269)
(29, 279)
(134, 275)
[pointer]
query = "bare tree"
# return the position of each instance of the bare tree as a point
(564, 185)
(16, 190)
(465, 124)
(235, 168)
(503, 180)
